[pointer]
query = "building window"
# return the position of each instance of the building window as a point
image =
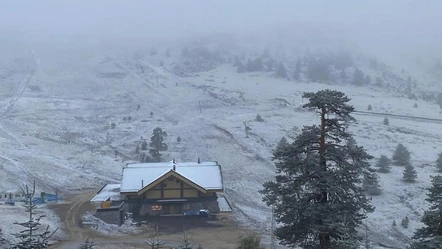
(177, 180)
(170, 178)
(157, 207)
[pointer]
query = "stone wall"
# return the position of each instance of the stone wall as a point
(212, 206)
(110, 217)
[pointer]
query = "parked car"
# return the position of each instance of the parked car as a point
(10, 202)
(201, 213)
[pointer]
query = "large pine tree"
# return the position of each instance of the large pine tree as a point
(157, 143)
(430, 236)
(317, 194)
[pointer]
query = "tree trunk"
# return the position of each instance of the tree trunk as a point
(324, 238)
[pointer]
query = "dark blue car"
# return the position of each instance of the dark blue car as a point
(201, 213)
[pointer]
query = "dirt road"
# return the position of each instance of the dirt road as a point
(70, 212)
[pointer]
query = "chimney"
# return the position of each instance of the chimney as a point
(174, 167)
(199, 160)
(142, 183)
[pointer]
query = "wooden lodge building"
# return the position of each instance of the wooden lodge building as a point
(168, 188)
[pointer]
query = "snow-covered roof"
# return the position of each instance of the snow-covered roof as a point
(223, 204)
(205, 174)
(109, 191)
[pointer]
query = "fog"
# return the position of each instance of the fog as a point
(378, 26)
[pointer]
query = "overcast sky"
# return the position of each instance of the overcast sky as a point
(390, 20)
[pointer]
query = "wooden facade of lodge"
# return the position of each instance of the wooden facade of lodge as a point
(169, 188)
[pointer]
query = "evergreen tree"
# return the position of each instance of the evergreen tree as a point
(371, 184)
(270, 64)
(144, 145)
(178, 139)
(318, 71)
(367, 80)
(252, 241)
(153, 52)
(394, 223)
(29, 238)
(281, 72)
(282, 144)
(369, 108)
(439, 163)
(241, 68)
(405, 221)
(358, 77)
(379, 81)
(258, 65)
(187, 243)
(236, 61)
(430, 235)
(386, 121)
(401, 156)
(137, 149)
(410, 173)
(154, 240)
(250, 66)
(259, 118)
(351, 142)
(439, 100)
(383, 164)
(142, 157)
(157, 143)
(265, 53)
(317, 195)
(343, 60)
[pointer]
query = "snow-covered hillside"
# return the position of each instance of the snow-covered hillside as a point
(56, 128)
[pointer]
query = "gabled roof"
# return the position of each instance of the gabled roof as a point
(206, 175)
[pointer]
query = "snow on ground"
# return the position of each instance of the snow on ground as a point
(110, 229)
(62, 136)
(17, 213)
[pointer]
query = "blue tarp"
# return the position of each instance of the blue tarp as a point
(52, 197)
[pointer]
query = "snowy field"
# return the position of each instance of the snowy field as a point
(59, 131)
(17, 213)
